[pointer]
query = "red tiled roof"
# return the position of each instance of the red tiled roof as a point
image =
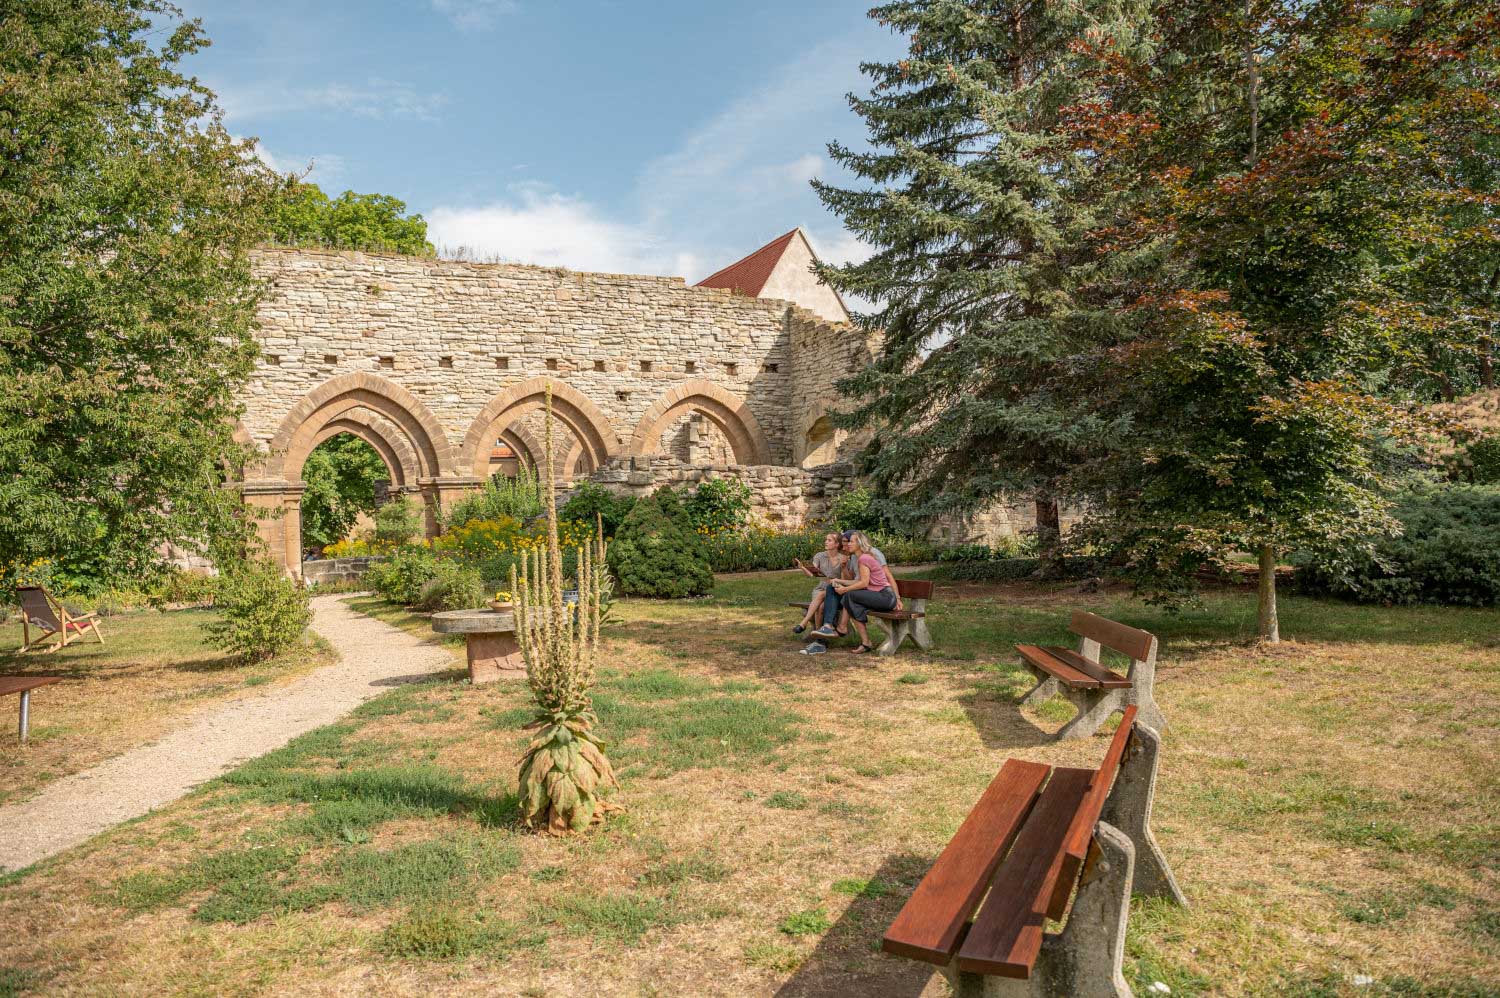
(749, 275)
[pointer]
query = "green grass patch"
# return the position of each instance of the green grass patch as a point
(871, 887)
(778, 957)
(449, 933)
(621, 918)
(787, 800)
(697, 731)
(423, 872)
(912, 679)
(1376, 909)
(806, 923)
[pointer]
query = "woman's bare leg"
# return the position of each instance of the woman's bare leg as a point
(814, 610)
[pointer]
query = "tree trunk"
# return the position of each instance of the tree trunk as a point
(1048, 537)
(1267, 626)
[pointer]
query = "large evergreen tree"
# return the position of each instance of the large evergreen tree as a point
(127, 298)
(986, 222)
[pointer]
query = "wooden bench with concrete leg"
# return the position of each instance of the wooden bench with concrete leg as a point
(1036, 834)
(1095, 690)
(908, 622)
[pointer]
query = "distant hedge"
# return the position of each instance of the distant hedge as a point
(1013, 569)
(1448, 552)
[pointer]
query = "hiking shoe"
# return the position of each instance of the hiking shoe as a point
(816, 648)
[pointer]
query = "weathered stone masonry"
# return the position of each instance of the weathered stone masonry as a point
(434, 361)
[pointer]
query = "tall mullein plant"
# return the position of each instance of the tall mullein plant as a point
(564, 770)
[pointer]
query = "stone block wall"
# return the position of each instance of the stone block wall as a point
(455, 335)
(780, 497)
(328, 570)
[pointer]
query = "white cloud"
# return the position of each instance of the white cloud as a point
(474, 15)
(375, 98)
(541, 226)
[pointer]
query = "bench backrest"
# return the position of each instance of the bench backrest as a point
(1136, 644)
(37, 608)
(914, 588)
(1081, 831)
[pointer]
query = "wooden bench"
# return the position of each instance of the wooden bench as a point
(24, 685)
(1035, 834)
(908, 622)
(1095, 690)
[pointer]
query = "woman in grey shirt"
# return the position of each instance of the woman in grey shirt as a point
(829, 563)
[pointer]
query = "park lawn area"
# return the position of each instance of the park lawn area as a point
(153, 668)
(1329, 807)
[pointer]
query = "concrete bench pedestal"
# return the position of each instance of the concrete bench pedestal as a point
(491, 635)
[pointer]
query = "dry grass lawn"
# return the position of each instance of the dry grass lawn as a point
(153, 668)
(1329, 807)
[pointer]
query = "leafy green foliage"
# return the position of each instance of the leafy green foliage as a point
(590, 500)
(305, 216)
(1448, 551)
(452, 933)
(519, 498)
(340, 474)
(654, 555)
(1484, 460)
(398, 521)
(127, 296)
(453, 586)
(263, 612)
(718, 504)
(854, 509)
(402, 576)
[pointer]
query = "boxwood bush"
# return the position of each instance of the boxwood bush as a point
(656, 555)
(1448, 552)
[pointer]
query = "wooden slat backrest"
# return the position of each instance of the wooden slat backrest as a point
(929, 927)
(1007, 936)
(914, 588)
(1131, 641)
(38, 608)
(1081, 831)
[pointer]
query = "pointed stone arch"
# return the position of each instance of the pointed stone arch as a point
(380, 433)
(408, 429)
(582, 417)
(730, 413)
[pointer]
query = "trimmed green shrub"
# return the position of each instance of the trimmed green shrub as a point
(1449, 552)
(757, 549)
(397, 522)
(1484, 460)
(263, 611)
(718, 504)
(453, 586)
(899, 550)
(590, 500)
(854, 509)
(402, 576)
(653, 555)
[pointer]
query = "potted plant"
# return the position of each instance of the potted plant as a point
(503, 602)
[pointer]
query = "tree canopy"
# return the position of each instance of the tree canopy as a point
(340, 474)
(127, 298)
(1185, 263)
(305, 216)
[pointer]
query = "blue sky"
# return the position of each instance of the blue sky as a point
(661, 137)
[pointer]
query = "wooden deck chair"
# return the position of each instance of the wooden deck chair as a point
(39, 610)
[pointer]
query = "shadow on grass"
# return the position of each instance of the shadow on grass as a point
(848, 960)
(443, 676)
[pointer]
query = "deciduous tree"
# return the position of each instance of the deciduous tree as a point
(127, 297)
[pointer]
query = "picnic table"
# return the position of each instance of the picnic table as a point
(24, 685)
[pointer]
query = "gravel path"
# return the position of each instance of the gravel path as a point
(374, 656)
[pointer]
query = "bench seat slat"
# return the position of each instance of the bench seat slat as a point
(1108, 678)
(25, 684)
(1007, 936)
(1081, 832)
(930, 925)
(1057, 668)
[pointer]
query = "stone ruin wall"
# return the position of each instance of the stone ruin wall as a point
(433, 346)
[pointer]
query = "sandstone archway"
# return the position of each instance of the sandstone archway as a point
(377, 408)
(380, 433)
(724, 409)
(571, 407)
